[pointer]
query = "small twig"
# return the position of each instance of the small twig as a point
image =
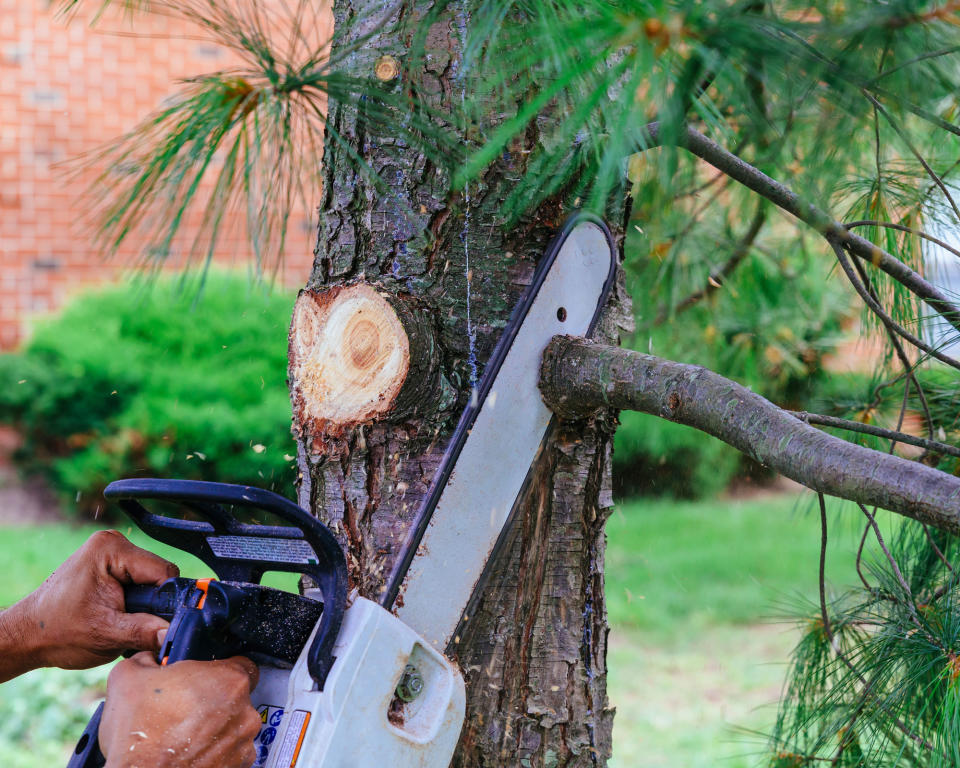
(863, 540)
(717, 276)
(926, 528)
(903, 228)
(900, 417)
(870, 429)
(881, 313)
(908, 367)
(937, 550)
(890, 558)
(694, 216)
(823, 589)
(911, 62)
(701, 187)
(913, 150)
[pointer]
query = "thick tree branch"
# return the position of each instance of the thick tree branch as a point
(785, 198)
(577, 377)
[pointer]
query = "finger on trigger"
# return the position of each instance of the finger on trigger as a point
(138, 631)
(142, 659)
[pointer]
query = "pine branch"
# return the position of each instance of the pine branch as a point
(870, 300)
(577, 377)
(903, 228)
(785, 198)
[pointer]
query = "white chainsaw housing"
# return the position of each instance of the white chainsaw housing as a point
(349, 724)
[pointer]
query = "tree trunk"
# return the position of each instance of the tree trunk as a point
(534, 655)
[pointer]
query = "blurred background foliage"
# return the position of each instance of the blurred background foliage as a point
(155, 379)
(771, 323)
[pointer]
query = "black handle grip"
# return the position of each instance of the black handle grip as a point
(87, 753)
(160, 600)
(304, 545)
(195, 633)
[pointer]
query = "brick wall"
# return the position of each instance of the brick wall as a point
(65, 89)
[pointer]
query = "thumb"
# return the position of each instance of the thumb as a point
(138, 631)
(142, 659)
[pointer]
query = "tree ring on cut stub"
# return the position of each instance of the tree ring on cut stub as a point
(349, 358)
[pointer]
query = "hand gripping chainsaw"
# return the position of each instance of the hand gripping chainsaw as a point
(349, 683)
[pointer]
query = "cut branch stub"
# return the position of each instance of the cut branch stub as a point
(358, 356)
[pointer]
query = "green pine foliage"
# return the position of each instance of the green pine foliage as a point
(245, 144)
(853, 106)
(155, 380)
(878, 684)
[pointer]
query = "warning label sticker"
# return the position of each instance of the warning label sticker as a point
(270, 719)
(259, 548)
(289, 749)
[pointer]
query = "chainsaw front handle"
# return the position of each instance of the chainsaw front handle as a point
(243, 552)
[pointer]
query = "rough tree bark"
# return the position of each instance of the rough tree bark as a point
(534, 656)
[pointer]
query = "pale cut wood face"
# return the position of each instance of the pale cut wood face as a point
(349, 356)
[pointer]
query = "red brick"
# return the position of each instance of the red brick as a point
(65, 90)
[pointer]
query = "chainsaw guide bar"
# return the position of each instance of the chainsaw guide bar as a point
(462, 523)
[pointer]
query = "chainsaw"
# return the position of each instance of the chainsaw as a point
(346, 681)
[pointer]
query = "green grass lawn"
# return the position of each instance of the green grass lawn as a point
(697, 594)
(673, 567)
(700, 596)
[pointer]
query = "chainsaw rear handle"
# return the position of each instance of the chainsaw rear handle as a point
(199, 612)
(192, 633)
(306, 546)
(161, 600)
(182, 641)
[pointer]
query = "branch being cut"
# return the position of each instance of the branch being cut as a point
(577, 377)
(784, 197)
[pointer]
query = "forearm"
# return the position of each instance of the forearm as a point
(19, 641)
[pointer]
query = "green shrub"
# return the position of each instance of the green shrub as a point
(43, 713)
(156, 380)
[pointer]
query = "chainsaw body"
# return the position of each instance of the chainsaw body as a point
(339, 686)
(389, 699)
